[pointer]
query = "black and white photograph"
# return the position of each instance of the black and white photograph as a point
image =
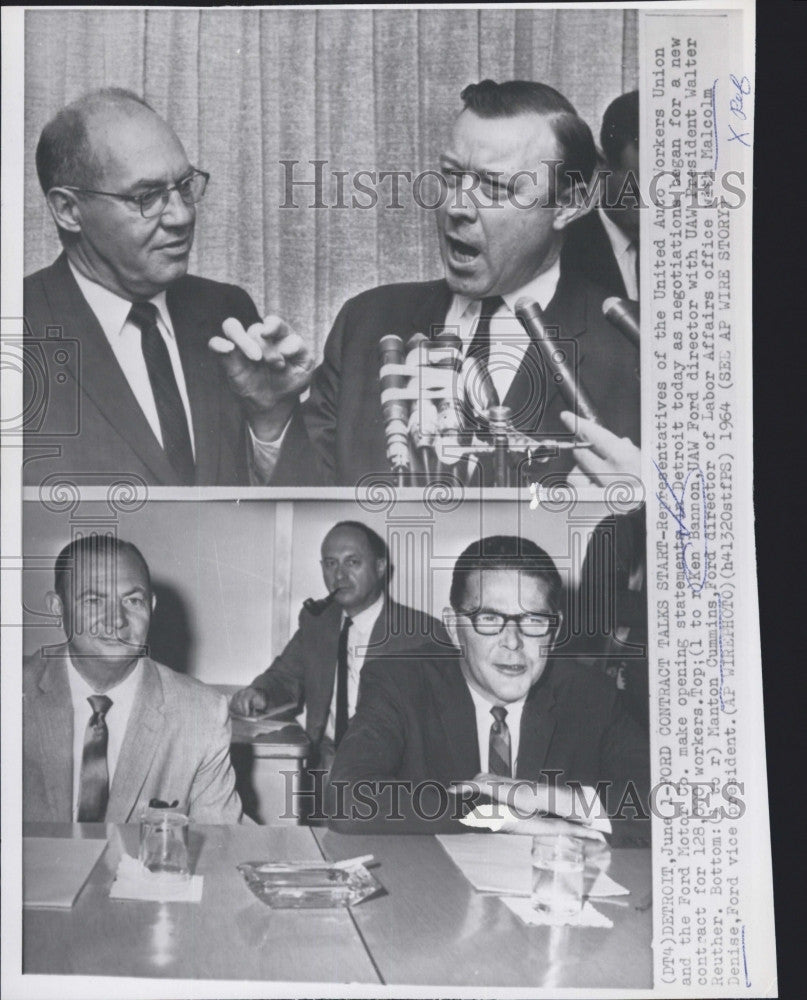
(379, 605)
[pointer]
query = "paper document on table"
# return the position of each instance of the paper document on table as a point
(497, 862)
(54, 869)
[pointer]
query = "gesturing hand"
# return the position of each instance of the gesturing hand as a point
(268, 366)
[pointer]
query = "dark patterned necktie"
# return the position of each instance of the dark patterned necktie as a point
(499, 747)
(93, 792)
(341, 721)
(170, 411)
(479, 347)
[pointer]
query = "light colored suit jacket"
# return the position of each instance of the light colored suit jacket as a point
(176, 746)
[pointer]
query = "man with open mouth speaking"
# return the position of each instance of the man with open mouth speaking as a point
(512, 171)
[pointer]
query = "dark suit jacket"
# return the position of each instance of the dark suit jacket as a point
(337, 436)
(177, 746)
(415, 722)
(305, 672)
(82, 416)
(588, 251)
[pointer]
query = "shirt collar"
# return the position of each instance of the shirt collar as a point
(80, 690)
(541, 289)
(483, 705)
(363, 621)
(111, 309)
(619, 241)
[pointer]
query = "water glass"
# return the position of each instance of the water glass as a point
(558, 863)
(164, 843)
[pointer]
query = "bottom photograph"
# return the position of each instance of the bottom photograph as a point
(382, 741)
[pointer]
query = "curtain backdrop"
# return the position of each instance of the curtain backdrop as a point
(361, 90)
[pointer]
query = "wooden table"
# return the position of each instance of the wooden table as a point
(430, 927)
(267, 767)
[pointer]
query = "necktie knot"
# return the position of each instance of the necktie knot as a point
(100, 705)
(143, 315)
(490, 306)
(499, 713)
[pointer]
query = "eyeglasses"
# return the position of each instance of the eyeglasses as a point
(153, 203)
(531, 624)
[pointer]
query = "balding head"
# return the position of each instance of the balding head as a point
(66, 154)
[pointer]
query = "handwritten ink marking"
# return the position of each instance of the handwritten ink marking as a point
(720, 647)
(745, 960)
(714, 120)
(742, 88)
(678, 513)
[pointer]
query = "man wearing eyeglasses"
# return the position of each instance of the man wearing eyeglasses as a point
(502, 714)
(119, 375)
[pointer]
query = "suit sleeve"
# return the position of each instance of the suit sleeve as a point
(284, 679)
(308, 456)
(626, 760)
(366, 792)
(213, 798)
(242, 307)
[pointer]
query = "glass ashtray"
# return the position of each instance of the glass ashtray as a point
(308, 884)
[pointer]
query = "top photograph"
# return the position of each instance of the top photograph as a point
(320, 248)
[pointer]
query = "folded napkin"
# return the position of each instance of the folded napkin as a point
(604, 885)
(586, 917)
(134, 881)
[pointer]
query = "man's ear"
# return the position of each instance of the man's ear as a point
(65, 209)
(54, 604)
(566, 214)
(153, 602)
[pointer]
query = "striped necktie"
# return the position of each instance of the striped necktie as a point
(479, 347)
(499, 747)
(94, 784)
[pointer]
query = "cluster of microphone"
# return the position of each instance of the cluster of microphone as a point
(432, 398)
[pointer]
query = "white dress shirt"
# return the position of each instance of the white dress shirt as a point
(358, 639)
(124, 338)
(484, 720)
(625, 253)
(122, 697)
(509, 339)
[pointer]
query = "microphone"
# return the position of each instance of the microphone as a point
(576, 399)
(317, 607)
(624, 314)
(395, 411)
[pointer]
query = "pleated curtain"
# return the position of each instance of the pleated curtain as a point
(359, 89)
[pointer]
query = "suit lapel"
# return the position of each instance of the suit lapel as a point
(189, 318)
(143, 734)
(537, 729)
(429, 315)
(99, 376)
(458, 719)
(51, 717)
